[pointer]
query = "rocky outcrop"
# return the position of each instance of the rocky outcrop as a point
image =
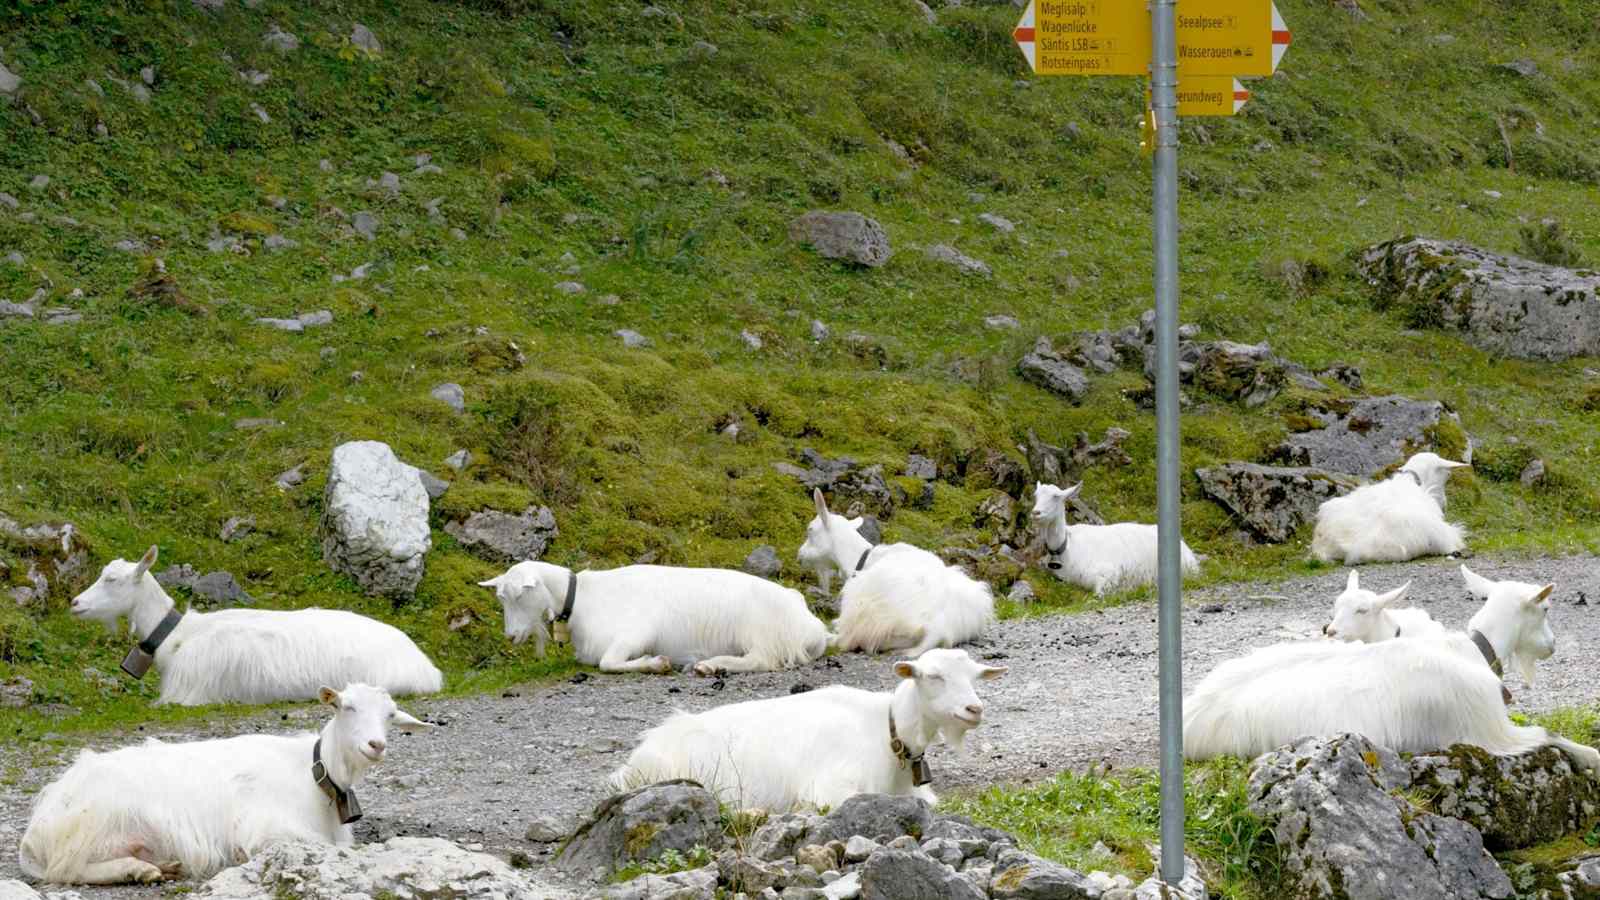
(212, 589)
(41, 559)
(1368, 436)
(1050, 370)
(1514, 801)
(849, 236)
(1064, 467)
(503, 537)
(399, 867)
(852, 485)
(375, 520)
(641, 825)
(1344, 834)
(1272, 501)
(1504, 304)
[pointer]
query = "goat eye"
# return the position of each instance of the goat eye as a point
(1361, 612)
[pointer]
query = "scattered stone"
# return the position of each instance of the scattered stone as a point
(919, 466)
(1271, 501)
(751, 339)
(1191, 887)
(253, 423)
(300, 322)
(898, 874)
(255, 77)
(1503, 304)
(10, 82)
(849, 236)
(998, 223)
(694, 884)
(458, 234)
(1527, 68)
(451, 395)
(779, 836)
(1251, 374)
(261, 113)
(702, 50)
(570, 287)
(279, 242)
(504, 537)
(819, 857)
(365, 224)
(361, 36)
(643, 824)
(1049, 370)
(237, 528)
(399, 867)
(1022, 593)
(848, 481)
(1328, 803)
(16, 258)
(858, 847)
(747, 875)
(434, 485)
(927, 13)
(289, 478)
(546, 830)
(8, 201)
(211, 589)
(39, 182)
(1001, 323)
(1027, 877)
(1533, 474)
(375, 520)
(819, 331)
(1343, 373)
(1370, 435)
(875, 814)
(459, 460)
(763, 562)
(325, 165)
(148, 75)
(1515, 802)
(945, 253)
(388, 182)
(631, 338)
(16, 692)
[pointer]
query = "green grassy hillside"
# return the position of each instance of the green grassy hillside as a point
(656, 155)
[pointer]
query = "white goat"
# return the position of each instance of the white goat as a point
(833, 544)
(1408, 694)
(820, 747)
(1101, 557)
(910, 603)
(248, 655)
(1399, 518)
(157, 810)
(1363, 616)
(637, 618)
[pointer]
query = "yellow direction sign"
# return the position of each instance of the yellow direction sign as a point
(1112, 37)
(1210, 95)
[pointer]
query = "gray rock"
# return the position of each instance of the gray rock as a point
(1527, 68)
(451, 395)
(365, 224)
(504, 537)
(949, 255)
(459, 460)
(16, 258)
(211, 589)
(858, 847)
(872, 814)
(8, 201)
(1049, 370)
(289, 478)
(695, 884)
(39, 182)
(254, 423)
(237, 528)
(279, 242)
(631, 338)
(907, 875)
(570, 287)
(546, 830)
(1272, 501)
(362, 36)
(1504, 304)
(434, 485)
(819, 331)
(946, 851)
(751, 339)
(1328, 803)
(148, 75)
(763, 562)
(256, 78)
(998, 223)
(1375, 434)
(388, 182)
(846, 887)
(9, 310)
(1022, 593)
(1001, 323)
(16, 692)
(750, 875)
(261, 113)
(10, 82)
(702, 50)
(928, 14)
(918, 466)
(300, 322)
(1533, 473)
(280, 40)
(819, 857)
(643, 824)
(1249, 373)
(848, 481)
(1098, 350)
(399, 867)
(778, 837)
(1513, 801)
(375, 519)
(1027, 877)
(849, 236)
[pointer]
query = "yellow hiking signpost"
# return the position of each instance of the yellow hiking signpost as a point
(1193, 59)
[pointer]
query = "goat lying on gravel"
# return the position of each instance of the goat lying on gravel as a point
(819, 747)
(1361, 615)
(912, 604)
(638, 618)
(1399, 518)
(1100, 557)
(1409, 694)
(155, 810)
(833, 544)
(248, 655)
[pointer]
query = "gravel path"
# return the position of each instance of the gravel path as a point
(1081, 689)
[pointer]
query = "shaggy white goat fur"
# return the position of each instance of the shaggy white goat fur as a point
(1399, 518)
(1101, 557)
(834, 544)
(255, 656)
(158, 810)
(817, 748)
(1361, 615)
(905, 601)
(638, 618)
(1408, 694)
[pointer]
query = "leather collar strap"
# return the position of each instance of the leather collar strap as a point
(921, 774)
(1415, 476)
(141, 657)
(1055, 554)
(344, 799)
(862, 562)
(1493, 659)
(572, 598)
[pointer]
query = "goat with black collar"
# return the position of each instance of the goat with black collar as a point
(1102, 558)
(1394, 520)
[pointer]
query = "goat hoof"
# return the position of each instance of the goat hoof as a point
(171, 869)
(147, 873)
(703, 670)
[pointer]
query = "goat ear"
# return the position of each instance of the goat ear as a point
(1071, 492)
(1452, 464)
(905, 668)
(1392, 596)
(407, 722)
(491, 583)
(1477, 585)
(329, 696)
(1543, 595)
(1353, 582)
(991, 672)
(146, 561)
(822, 503)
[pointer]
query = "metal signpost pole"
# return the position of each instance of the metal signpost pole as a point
(1164, 105)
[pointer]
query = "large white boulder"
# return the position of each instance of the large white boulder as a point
(400, 867)
(375, 519)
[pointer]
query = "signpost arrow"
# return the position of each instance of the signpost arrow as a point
(1112, 37)
(1210, 95)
